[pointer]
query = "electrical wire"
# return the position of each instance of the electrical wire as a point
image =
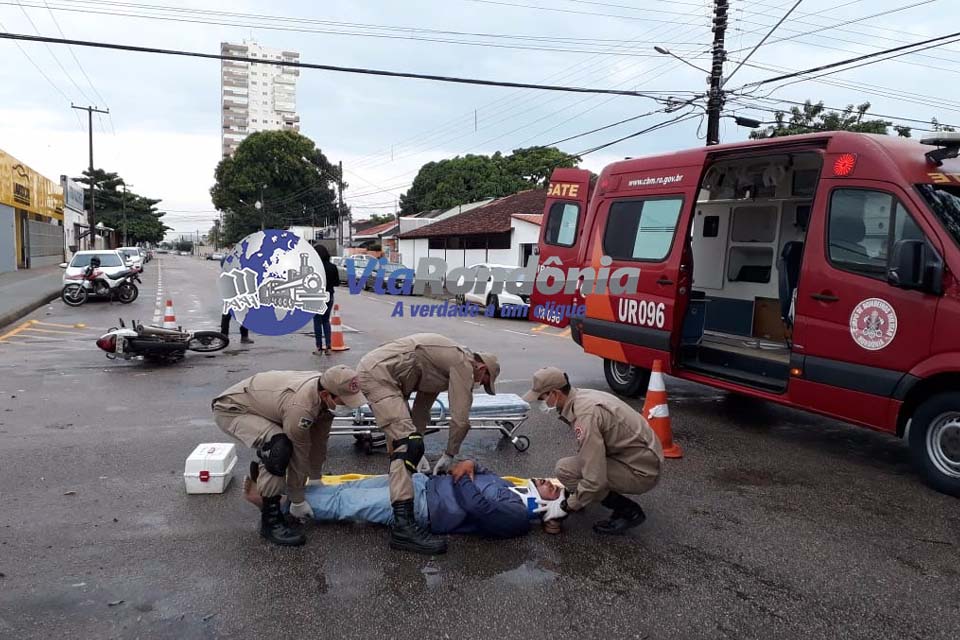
(54, 55)
(325, 67)
(760, 44)
(660, 125)
(930, 43)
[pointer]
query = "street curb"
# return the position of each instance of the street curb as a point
(12, 316)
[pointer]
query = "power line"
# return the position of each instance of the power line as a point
(326, 67)
(54, 55)
(931, 42)
(660, 125)
(760, 44)
(80, 66)
(874, 115)
(198, 16)
(558, 10)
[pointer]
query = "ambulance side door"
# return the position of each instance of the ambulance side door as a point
(855, 333)
(562, 230)
(646, 231)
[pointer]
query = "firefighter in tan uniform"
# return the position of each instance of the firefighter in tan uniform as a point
(427, 363)
(286, 416)
(618, 451)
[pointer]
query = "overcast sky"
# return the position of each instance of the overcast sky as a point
(163, 134)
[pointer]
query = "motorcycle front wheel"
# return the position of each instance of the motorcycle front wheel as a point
(127, 292)
(74, 295)
(206, 341)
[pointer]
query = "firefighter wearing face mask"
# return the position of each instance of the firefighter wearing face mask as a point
(427, 363)
(618, 452)
(286, 416)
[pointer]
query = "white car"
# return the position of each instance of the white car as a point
(132, 256)
(486, 296)
(110, 263)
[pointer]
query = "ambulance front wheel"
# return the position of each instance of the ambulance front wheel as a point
(935, 441)
(625, 379)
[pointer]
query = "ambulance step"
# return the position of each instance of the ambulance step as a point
(750, 371)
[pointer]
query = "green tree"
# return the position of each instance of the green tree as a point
(940, 127)
(382, 218)
(286, 173)
(815, 117)
(447, 183)
(214, 235)
(116, 208)
(183, 245)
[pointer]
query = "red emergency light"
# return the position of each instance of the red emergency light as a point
(844, 165)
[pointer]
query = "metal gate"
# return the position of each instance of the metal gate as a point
(45, 243)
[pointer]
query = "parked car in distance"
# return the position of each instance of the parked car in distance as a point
(486, 296)
(383, 272)
(215, 256)
(132, 256)
(359, 264)
(184, 253)
(111, 262)
(163, 251)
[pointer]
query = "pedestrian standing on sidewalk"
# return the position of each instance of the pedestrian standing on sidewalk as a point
(321, 322)
(225, 323)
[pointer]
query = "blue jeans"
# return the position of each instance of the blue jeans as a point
(321, 326)
(366, 500)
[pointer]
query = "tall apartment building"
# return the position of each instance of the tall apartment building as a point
(256, 96)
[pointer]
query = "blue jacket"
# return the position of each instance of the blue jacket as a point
(484, 505)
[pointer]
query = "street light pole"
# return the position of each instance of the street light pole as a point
(123, 206)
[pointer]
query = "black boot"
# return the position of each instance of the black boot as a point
(626, 515)
(408, 535)
(273, 526)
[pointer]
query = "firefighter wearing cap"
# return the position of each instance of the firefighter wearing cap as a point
(427, 363)
(618, 452)
(286, 416)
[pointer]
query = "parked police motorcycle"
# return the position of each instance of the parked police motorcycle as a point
(157, 344)
(93, 281)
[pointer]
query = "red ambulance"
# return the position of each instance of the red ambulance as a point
(820, 271)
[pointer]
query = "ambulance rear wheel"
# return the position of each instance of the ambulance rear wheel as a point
(935, 441)
(625, 379)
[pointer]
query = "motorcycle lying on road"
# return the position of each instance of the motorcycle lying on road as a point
(156, 344)
(93, 281)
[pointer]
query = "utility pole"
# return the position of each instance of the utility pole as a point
(340, 207)
(91, 215)
(123, 207)
(263, 210)
(715, 97)
(220, 231)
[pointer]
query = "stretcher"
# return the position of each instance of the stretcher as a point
(504, 412)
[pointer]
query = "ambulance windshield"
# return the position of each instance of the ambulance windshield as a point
(944, 200)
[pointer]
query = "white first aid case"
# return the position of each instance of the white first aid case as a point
(209, 467)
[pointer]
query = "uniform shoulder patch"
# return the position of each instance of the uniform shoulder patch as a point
(578, 431)
(306, 423)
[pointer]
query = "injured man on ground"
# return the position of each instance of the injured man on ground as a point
(468, 500)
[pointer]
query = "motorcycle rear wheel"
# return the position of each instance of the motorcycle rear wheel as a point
(127, 292)
(74, 295)
(206, 341)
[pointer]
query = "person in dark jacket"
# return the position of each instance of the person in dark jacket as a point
(321, 322)
(468, 500)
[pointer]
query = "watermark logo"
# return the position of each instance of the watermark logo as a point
(273, 282)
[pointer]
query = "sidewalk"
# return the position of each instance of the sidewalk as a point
(23, 291)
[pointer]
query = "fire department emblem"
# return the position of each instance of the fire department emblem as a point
(873, 324)
(578, 431)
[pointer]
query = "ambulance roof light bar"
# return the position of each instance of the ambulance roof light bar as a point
(948, 143)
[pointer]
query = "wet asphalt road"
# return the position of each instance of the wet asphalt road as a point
(775, 524)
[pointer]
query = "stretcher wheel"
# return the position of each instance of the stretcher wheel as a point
(522, 443)
(508, 426)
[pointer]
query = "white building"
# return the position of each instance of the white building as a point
(256, 96)
(76, 231)
(504, 231)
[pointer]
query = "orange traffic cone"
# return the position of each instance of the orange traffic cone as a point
(169, 319)
(336, 329)
(657, 413)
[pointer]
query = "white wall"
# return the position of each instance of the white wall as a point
(8, 247)
(524, 232)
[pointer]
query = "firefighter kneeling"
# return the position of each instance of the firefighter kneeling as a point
(618, 451)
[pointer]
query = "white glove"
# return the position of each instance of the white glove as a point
(423, 466)
(302, 511)
(552, 510)
(443, 464)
